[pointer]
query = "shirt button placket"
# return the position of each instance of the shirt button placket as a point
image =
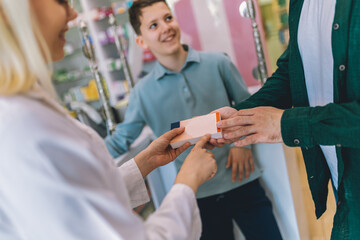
(185, 89)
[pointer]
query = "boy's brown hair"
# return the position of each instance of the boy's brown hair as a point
(135, 12)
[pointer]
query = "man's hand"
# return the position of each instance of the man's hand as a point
(241, 161)
(249, 126)
(225, 113)
(159, 152)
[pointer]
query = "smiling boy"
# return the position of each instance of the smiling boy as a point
(185, 83)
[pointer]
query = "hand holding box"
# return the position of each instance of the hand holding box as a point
(195, 128)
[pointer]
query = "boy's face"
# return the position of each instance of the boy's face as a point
(159, 30)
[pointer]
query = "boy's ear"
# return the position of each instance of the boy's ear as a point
(141, 43)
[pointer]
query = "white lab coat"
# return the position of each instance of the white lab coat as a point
(58, 181)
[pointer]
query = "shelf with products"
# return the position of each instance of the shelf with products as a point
(74, 81)
(62, 77)
(97, 17)
(82, 93)
(107, 37)
(73, 73)
(118, 8)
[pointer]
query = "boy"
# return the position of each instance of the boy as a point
(183, 84)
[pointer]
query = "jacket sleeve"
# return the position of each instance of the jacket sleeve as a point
(333, 124)
(134, 183)
(166, 222)
(276, 90)
(127, 131)
(178, 216)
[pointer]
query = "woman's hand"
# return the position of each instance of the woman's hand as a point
(159, 152)
(198, 167)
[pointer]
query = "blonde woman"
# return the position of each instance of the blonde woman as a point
(57, 180)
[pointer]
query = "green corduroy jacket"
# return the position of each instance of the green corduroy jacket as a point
(336, 124)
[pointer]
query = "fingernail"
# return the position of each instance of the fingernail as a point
(219, 124)
(226, 135)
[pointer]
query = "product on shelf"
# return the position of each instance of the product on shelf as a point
(98, 14)
(119, 7)
(113, 64)
(106, 37)
(119, 31)
(64, 75)
(129, 3)
(120, 89)
(68, 49)
(75, 22)
(103, 38)
(90, 92)
(82, 94)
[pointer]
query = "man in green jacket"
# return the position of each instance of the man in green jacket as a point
(312, 101)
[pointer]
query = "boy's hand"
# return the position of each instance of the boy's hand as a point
(241, 161)
(159, 152)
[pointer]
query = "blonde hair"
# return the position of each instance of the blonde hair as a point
(24, 56)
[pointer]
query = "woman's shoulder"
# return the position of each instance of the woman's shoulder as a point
(21, 111)
(27, 119)
(34, 127)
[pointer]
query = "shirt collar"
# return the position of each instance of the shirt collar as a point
(193, 56)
